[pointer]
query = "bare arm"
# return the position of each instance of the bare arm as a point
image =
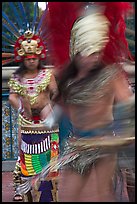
(14, 100)
(122, 89)
(53, 87)
(124, 101)
(20, 104)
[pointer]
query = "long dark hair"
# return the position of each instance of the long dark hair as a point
(23, 69)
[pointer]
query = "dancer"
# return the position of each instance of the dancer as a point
(32, 91)
(90, 87)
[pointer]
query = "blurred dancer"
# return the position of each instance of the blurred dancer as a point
(89, 88)
(32, 90)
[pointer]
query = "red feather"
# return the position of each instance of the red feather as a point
(117, 47)
(61, 18)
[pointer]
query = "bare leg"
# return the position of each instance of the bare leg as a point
(96, 186)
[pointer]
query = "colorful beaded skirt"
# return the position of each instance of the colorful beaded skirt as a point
(39, 146)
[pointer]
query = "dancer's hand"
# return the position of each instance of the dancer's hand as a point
(27, 107)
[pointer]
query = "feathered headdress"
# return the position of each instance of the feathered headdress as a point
(72, 31)
(29, 45)
(21, 36)
(61, 18)
(117, 46)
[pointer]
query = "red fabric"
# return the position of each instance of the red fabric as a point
(36, 119)
(62, 15)
(61, 18)
(117, 47)
(31, 56)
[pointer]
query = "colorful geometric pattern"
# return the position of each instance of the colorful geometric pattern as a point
(33, 162)
(9, 131)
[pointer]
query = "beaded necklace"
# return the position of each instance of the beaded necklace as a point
(31, 87)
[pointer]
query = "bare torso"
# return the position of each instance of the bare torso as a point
(43, 104)
(97, 109)
(36, 91)
(42, 100)
(92, 116)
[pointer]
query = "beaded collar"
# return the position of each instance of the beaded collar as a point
(30, 87)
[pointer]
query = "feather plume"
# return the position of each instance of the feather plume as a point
(23, 14)
(13, 28)
(7, 61)
(61, 18)
(35, 16)
(7, 55)
(9, 25)
(7, 38)
(7, 44)
(7, 50)
(117, 47)
(16, 14)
